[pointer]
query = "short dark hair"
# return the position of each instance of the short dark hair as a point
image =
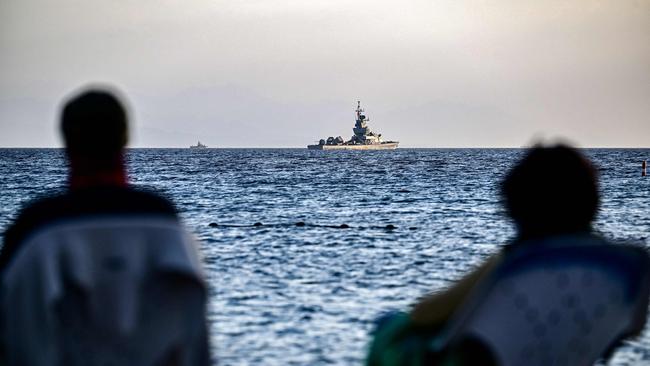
(551, 190)
(94, 123)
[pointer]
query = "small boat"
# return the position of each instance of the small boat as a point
(199, 145)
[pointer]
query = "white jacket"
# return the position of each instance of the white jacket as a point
(105, 291)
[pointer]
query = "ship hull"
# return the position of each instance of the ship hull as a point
(384, 146)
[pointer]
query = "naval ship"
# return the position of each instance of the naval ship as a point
(363, 138)
(199, 145)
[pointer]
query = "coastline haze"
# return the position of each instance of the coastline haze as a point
(286, 73)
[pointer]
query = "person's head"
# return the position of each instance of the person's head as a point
(94, 125)
(552, 190)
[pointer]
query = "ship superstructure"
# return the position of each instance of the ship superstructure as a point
(363, 138)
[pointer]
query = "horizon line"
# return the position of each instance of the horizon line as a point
(305, 148)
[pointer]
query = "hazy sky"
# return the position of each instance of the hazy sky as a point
(270, 73)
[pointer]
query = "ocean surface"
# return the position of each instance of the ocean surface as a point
(287, 294)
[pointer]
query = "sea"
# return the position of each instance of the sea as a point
(303, 250)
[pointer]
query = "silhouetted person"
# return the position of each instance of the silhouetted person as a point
(552, 191)
(103, 273)
(518, 300)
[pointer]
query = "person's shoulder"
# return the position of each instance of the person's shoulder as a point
(148, 200)
(579, 245)
(117, 200)
(632, 248)
(38, 209)
(88, 203)
(32, 215)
